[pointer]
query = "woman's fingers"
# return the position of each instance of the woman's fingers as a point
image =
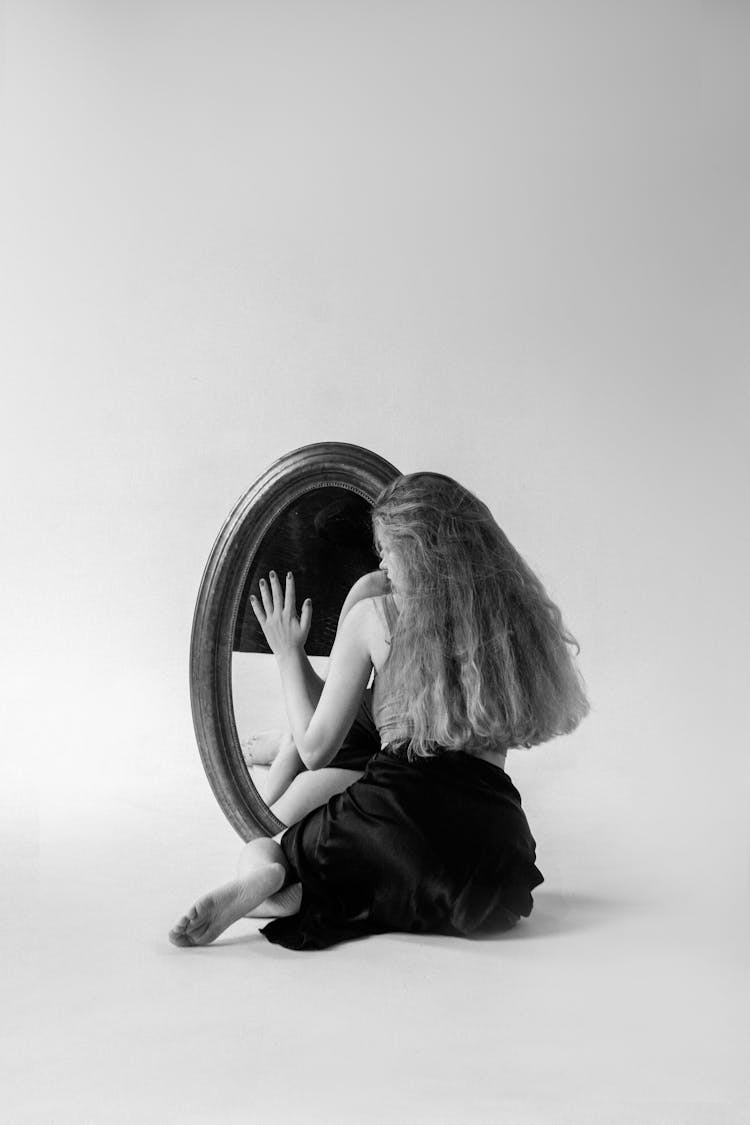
(305, 617)
(258, 610)
(266, 596)
(290, 597)
(274, 598)
(277, 592)
(278, 615)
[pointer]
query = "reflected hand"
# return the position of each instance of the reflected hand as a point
(277, 616)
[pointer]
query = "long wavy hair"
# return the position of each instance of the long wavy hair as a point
(479, 656)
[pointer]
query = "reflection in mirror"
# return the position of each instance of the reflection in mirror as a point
(324, 536)
(308, 512)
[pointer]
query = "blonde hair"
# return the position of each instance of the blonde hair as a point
(479, 656)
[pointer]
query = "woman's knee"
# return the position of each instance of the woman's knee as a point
(259, 853)
(306, 785)
(310, 790)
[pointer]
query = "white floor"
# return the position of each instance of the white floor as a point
(607, 1006)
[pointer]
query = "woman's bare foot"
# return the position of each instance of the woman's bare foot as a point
(260, 749)
(212, 914)
(281, 905)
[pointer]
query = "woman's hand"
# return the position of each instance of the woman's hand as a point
(277, 616)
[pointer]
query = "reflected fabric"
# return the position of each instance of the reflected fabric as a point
(438, 845)
(362, 739)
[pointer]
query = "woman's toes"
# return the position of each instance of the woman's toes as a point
(212, 914)
(178, 934)
(192, 927)
(262, 748)
(205, 920)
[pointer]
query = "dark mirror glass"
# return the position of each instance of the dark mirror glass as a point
(325, 538)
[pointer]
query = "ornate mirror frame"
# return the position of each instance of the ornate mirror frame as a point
(253, 516)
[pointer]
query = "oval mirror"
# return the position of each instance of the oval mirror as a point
(309, 512)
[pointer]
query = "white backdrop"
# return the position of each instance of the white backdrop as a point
(505, 241)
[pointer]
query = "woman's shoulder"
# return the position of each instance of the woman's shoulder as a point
(374, 609)
(371, 585)
(384, 606)
(372, 616)
(368, 586)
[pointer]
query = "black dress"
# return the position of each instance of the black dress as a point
(362, 739)
(438, 845)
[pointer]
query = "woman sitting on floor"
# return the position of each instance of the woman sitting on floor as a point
(471, 658)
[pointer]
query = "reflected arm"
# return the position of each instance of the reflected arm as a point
(313, 682)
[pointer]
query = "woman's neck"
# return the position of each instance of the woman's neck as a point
(495, 757)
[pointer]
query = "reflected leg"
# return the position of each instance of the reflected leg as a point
(261, 748)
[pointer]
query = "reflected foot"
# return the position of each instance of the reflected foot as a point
(219, 909)
(261, 749)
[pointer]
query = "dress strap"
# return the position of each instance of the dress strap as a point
(391, 614)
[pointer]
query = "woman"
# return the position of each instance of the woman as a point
(471, 658)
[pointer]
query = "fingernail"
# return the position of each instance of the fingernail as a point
(289, 574)
(273, 573)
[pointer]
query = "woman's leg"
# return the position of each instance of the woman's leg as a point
(280, 905)
(265, 871)
(310, 790)
(361, 742)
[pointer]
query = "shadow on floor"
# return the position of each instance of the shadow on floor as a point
(557, 913)
(554, 914)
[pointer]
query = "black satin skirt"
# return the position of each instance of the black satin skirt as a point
(440, 845)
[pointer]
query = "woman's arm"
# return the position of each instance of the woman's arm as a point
(320, 731)
(370, 585)
(313, 679)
